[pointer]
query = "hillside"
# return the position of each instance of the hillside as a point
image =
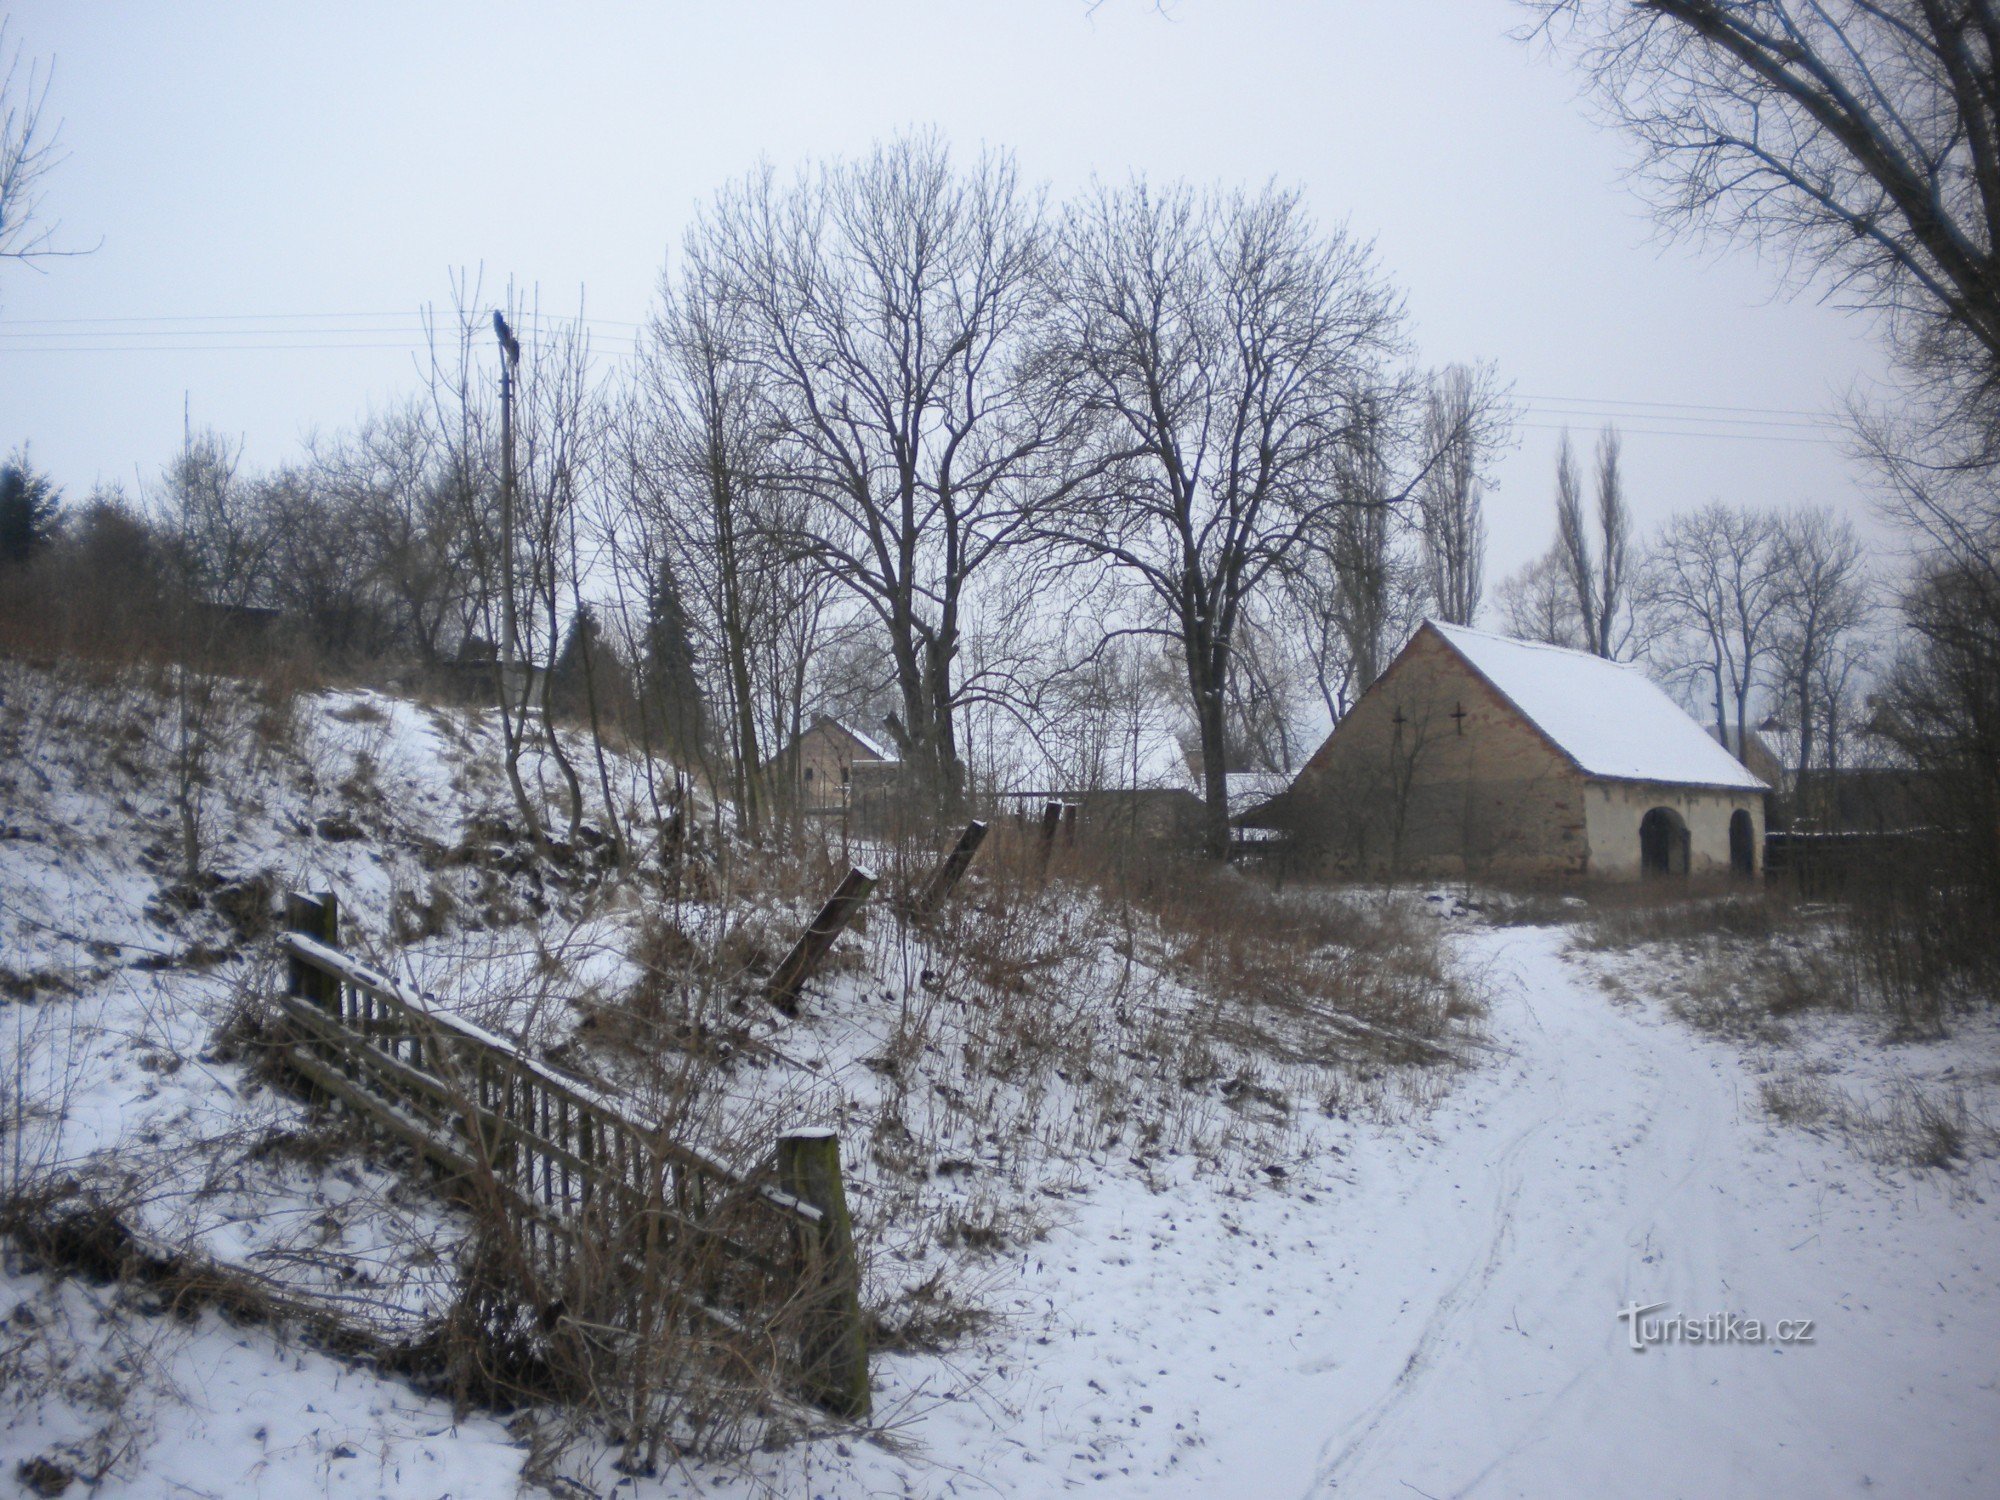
(1051, 1052)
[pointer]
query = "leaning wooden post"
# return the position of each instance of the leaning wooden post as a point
(1051, 816)
(816, 940)
(316, 917)
(938, 889)
(833, 1343)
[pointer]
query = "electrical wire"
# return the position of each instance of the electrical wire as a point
(619, 338)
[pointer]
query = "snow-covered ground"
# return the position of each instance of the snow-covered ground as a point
(1433, 1312)
(1418, 1295)
(1436, 1312)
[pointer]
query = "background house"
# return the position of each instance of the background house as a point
(1478, 755)
(832, 766)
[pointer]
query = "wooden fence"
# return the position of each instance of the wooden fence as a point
(582, 1183)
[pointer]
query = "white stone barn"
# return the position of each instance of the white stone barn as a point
(1479, 755)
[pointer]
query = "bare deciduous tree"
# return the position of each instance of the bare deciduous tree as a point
(1859, 138)
(1717, 579)
(224, 539)
(698, 446)
(1823, 607)
(30, 149)
(387, 476)
(1538, 604)
(1220, 346)
(1598, 573)
(1466, 420)
(883, 306)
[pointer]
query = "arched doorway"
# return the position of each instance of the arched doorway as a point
(1742, 844)
(1663, 843)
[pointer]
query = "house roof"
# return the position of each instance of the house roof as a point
(867, 742)
(1611, 719)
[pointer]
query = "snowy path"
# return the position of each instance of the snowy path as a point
(1616, 1158)
(1440, 1317)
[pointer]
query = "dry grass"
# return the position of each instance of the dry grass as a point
(1925, 1128)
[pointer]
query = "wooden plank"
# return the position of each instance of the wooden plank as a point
(940, 886)
(817, 940)
(317, 917)
(833, 1353)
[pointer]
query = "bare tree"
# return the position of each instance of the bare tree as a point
(1466, 421)
(30, 149)
(1598, 573)
(1614, 531)
(1860, 138)
(1717, 579)
(1359, 583)
(699, 448)
(1538, 603)
(1824, 604)
(223, 538)
(389, 478)
(883, 306)
(1220, 346)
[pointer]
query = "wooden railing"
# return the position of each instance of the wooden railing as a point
(575, 1174)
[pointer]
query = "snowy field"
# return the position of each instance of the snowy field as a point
(1415, 1295)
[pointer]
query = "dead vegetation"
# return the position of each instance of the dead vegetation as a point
(1835, 1000)
(1073, 1010)
(1932, 1127)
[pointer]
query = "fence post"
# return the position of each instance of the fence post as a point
(833, 1344)
(317, 917)
(1069, 824)
(813, 943)
(940, 886)
(1051, 816)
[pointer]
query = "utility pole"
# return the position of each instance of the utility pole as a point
(510, 364)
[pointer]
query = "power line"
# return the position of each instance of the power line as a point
(403, 312)
(1831, 437)
(1771, 411)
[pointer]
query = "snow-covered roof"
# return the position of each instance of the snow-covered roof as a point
(868, 742)
(1611, 719)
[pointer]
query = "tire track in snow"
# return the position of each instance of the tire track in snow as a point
(1450, 1307)
(1607, 1168)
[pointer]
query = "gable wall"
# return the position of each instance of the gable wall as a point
(1487, 795)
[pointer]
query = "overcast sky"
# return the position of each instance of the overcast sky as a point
(288, 179)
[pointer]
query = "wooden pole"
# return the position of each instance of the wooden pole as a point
(317, 917)
(815, 942)
(1069, 824)
(940, 886)
(1051, 816)
(833, 1344)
